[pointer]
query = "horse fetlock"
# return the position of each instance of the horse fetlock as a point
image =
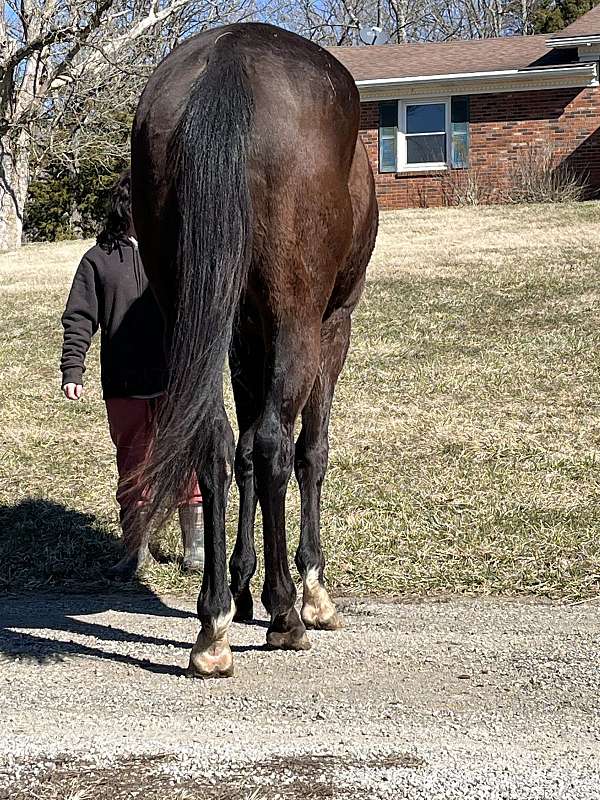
(318, 609)
(244, 606)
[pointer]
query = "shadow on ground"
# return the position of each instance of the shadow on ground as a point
(44, 544)
(51, 552)
(49, 556)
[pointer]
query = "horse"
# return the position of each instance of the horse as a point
(254, 204)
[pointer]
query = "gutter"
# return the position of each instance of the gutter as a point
(584, 74)
(574, 41)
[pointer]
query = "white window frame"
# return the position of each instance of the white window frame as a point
(428, 166)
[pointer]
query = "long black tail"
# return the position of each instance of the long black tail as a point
(212, 265)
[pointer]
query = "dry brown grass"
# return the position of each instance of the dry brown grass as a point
(439, 242)
(465, 438)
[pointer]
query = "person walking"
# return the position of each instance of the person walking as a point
(110, 291)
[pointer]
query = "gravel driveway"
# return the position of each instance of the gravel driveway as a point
(453, 699)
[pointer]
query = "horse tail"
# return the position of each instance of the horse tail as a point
(213, 257)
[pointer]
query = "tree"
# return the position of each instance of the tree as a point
(331, 22)
(70, 69)
(554, 15)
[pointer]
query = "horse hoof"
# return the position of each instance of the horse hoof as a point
(312, 617)
(213, 661)
(244, 607)
(318, 609)
(295, 639)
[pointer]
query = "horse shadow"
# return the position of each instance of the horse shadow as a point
(53, 562)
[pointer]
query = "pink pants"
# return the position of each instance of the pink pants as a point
(131, 422)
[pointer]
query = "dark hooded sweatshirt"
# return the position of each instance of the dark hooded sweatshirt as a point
(110, 291)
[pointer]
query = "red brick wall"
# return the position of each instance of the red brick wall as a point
(501, 124)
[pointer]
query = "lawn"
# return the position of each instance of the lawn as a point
(465, 434)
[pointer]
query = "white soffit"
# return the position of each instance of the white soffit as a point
(514, 80)
(574, 41)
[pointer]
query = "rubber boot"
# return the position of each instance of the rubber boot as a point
(192, 537)
(134, 525)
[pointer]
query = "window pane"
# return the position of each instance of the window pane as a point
(388, 114)
(387, 155)
(426, 118)
(459, 111)
(460, 127)
(425, 149)
(460, 150)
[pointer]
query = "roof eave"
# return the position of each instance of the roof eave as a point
(480, 82)
(574, 41)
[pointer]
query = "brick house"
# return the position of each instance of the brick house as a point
(434, 114)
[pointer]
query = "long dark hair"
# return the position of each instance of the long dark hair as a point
(118, 224)
(211, 143)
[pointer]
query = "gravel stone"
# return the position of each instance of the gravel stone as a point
(463, 698)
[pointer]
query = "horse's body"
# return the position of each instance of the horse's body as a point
(255, 209)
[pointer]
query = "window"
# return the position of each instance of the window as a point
(423, 134)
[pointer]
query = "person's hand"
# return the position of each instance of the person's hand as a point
(73, 391)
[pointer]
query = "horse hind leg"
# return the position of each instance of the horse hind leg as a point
(211, 655)
(246, 363)
(312, 450)
(242, 564)
(291, 373)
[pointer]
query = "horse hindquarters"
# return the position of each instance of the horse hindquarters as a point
(282, 132)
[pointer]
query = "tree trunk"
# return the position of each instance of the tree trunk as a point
(14, 181)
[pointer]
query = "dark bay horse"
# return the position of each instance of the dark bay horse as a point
(255, 208)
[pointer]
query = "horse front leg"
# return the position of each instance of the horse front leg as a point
(242, 564)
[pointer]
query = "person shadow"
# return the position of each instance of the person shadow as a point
(53, 562)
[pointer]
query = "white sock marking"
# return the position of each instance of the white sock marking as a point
(220, 625)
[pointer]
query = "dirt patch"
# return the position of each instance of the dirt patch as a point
(157, 777)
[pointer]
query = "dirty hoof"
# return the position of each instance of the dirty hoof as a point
(314, 617)
(318, 609)
(288, 641)
(244, 607)
(287, 632)
(210, 661)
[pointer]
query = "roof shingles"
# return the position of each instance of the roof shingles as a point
(586, 25)
(378, 62)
